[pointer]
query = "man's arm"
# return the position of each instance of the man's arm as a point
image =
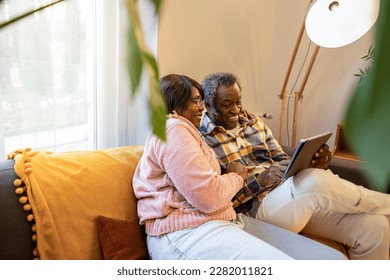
(250, 189)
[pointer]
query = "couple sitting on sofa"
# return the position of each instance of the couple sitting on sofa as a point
(200, 201)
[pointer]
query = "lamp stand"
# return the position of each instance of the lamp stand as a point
(298, 94)
(326, 26)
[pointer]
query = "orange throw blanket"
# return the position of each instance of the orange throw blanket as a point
(68, 190)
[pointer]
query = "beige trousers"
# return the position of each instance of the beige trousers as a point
(318, 202)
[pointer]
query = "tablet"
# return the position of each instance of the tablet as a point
(303, 154)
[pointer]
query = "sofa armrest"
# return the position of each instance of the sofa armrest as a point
(15, 234)
(350, 170)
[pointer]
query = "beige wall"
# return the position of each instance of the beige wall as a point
(255, 40)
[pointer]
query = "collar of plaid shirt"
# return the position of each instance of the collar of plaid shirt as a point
(209, 127)
(253, 145)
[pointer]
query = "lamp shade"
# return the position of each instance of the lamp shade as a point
(333, 24)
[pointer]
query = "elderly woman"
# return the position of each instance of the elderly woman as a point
(184, 201)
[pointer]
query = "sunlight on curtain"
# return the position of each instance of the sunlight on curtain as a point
(45, 81)
(63, 77)
(121, 119)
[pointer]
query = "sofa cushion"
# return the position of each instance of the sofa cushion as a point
(68, 191)
(121, 240)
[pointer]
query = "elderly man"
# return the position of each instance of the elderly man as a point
(314, 201)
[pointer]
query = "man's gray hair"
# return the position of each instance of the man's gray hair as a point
(211, 82)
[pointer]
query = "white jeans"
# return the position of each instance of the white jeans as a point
(214, 240)
(246, 238)
(317, 202)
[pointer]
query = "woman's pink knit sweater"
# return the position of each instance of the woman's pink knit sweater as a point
(179, 182)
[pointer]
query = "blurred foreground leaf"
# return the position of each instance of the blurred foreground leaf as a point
(140, 58)
(367, 125)
(17, 18)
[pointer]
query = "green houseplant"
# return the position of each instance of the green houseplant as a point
(369, 56)
(366, 122)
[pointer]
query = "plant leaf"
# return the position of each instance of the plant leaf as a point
(134, 60)
(157, 105)
(158, 109)
(157, 5)
(15, 19)
(368, 115)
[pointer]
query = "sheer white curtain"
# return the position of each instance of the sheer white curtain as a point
(121, 119)
(63, 77)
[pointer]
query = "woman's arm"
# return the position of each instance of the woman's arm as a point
(195, 171)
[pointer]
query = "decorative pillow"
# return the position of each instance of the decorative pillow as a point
(121, 240)
(67, 191)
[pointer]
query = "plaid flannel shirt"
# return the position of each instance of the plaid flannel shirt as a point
(253, 145)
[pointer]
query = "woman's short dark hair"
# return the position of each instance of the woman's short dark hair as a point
(177, 90)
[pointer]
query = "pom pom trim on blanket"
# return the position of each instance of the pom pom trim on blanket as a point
(21, 191)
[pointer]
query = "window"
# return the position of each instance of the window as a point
(45, 77)
(63, 78)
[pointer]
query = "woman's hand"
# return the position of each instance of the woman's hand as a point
(321, 158)
(238, 168)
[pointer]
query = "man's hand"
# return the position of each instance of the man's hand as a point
(273, 175)
(321, 158)
(238, 168)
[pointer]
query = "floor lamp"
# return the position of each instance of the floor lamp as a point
(329, 24)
